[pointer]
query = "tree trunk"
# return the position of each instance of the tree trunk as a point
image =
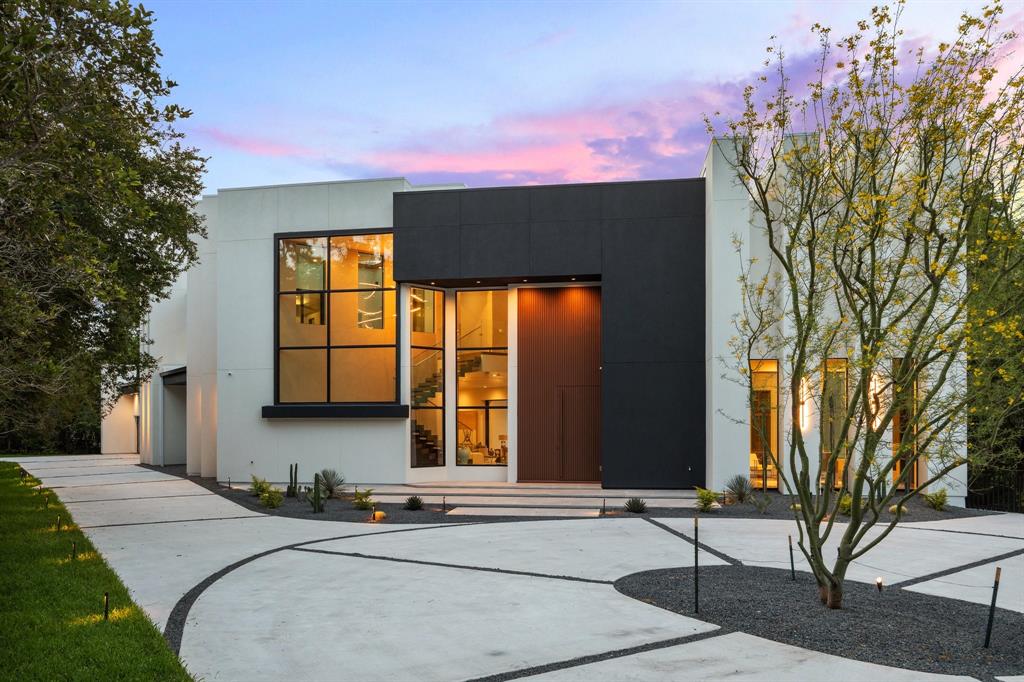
(831, 595)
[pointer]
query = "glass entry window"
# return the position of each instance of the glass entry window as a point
(764, 424)
(426, 336)
(833, 415)
(904, 428)
(482, 375)
(336, 320)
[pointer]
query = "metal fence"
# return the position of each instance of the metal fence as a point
(998, 492)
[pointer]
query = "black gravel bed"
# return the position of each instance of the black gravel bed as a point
(341, 509)
(916, 510)
(894, 627)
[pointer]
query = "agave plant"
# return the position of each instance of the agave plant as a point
(636, 505)
(331, 481)
(738, 488)
(414, 503)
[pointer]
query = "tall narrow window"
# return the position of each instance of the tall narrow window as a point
(426, 336)
(904, 427)
(764, 424)
(336, 320)
(833, 416)
(482, 367)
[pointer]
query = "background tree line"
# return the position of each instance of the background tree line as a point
(97, 198)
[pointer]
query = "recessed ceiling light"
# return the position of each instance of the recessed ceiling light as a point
(478, 281)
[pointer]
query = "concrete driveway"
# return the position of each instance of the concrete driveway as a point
(249, 596)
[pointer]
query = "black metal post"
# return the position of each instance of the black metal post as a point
(74, 551)
(444, 504)
(58, 523)
(992, 607)
(106, 606)
(792, 566)
(696, 578)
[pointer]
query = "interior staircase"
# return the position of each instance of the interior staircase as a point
(426, 444)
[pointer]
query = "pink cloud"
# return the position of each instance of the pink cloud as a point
(258, 146)
(659, 135)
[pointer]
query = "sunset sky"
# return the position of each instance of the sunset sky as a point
(486, 93)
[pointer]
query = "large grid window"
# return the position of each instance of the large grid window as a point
(426, 338)
(336, 322)
(764, 424)
(834, 402)
(481, 353)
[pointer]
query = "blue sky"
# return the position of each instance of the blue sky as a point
(488, 93)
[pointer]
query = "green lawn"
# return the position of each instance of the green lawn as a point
(51, 608)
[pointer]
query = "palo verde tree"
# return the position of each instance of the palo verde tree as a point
(97, 194)
(888, 191)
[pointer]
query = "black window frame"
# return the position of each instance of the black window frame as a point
(326, 294)
(459, 347)
(444, 381)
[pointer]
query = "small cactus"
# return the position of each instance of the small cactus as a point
(293, 480)
(315, 500)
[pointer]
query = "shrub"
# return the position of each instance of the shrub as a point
(259, 486)
(636, 505)
(936, 500)
(706, 499)
(761, 502)
(895, 509)
(738, 488)
(845, 504)
(413, 503)
(362, 499)
(331, 481)
(271, 498)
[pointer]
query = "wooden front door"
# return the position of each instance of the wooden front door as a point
(559, 374)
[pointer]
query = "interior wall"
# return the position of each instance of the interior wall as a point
(174, 432)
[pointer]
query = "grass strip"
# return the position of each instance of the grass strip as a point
(51, 606)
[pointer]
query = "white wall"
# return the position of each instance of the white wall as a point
(201, 319)
(366, 451)
(727, 211)
(166, 331)
(117, 429)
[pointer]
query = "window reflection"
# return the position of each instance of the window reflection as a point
(482, 371)
(336, 300)
(833, 416)
(764, 424)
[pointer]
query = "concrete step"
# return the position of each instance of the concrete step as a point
(524, 511)
(530, 501)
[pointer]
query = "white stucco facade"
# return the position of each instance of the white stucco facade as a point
(218, 322)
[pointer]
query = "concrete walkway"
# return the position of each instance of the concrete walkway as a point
(249, 596)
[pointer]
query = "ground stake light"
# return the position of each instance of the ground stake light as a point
(992, 607)
(106, 606)
(696, 579)
(74, 551)
(792, 566)
(878, 583)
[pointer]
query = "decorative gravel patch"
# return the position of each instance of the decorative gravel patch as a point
(341, 509)
(894, 627)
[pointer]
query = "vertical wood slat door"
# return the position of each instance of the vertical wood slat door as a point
(559, 404)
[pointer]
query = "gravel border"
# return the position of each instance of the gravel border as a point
(896, 627)
(341, 509)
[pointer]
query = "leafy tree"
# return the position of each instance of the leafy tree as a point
(97, 194)
(889, 196)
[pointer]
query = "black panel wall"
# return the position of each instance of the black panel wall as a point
(645, 242)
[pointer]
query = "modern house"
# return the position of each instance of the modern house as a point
(405, 334)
